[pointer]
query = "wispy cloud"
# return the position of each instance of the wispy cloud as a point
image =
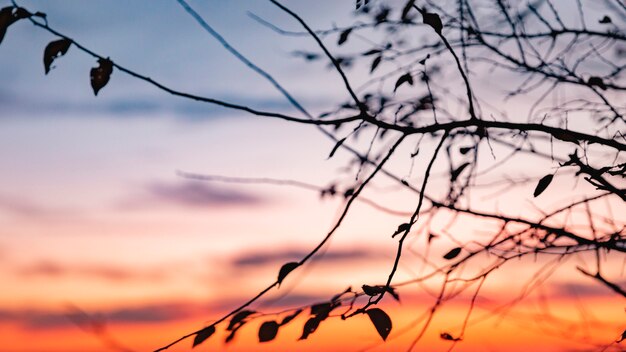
(193, 194)
(258, 258)
(23, 207)
(50, 269)
(584, 290)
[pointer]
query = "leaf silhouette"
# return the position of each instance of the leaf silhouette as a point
(596, 81)
(405, 78)
(605, 20)
(290, 317)
(53, 50)
(375, 63)
(543, 184)
(465, 150)
(381, 321)
(343, 37)
(238, 319)
(371, 52)
(100, 75)
(623, 337)
(433, 20)
(401, 228)
(447, 336)
(203, 335)
(457, 172)
(268, 331)
(337, 145)
(453, 253)
(309, 327)
(10, 15)
(373, 290)
(285, 270)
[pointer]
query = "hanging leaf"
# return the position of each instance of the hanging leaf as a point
(605, 20)
(433, 20)
(453, 253)
(372, 290)
(392, 291)
(457, 172)
(375, 63)
(232, 334)
(405, 78)
(238, 319)
(100, 75)
(10, 15)
(268, 331)
(337, 145)
(53, 50)
(543, 184)
(343, 37)
(203, 335)
(290, 317)
(381, 321)
(285, 270)
(309, 327)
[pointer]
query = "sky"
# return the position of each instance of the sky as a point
(96, 220)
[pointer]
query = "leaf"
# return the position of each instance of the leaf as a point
(290, 317)
(10, 15)
(376, 62)
(203, 335)
(392, 291)
(433, 20)
(268, 331)
(623, 337)
(405, 78)
(457, 172)
(309, 327)
(371, 52)
(100, 75)
(381, 321)
(605, 20)
(337, 145)
(543, 184)
(285, 270)
(453, 253)
(596, 81)
(446, 336)
(343, 37)
(237, 320)
(321, 309)
(53, 50)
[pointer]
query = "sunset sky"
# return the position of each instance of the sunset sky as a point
(95, 217)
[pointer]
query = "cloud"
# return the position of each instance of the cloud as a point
(197, 194)
(50, 319)
(286, 255)
(50, 269)
(21, 207)
(585, 290)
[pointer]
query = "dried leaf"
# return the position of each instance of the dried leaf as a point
(53, 50)
(381, 321)
(203, 335)
(605, 20)
(337, 145)
(372, 290)
(453, 253)
(343, 37)
(596, 81)
(309, 327)
(447, 336)
(285, 270)
(405, 78)
(268, 331)
(100, 75)
(238, 319)
(433, 20)
(10, 15)
(543, 184)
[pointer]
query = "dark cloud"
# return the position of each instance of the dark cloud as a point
(50, 269)
(585, 290)
(199, 194)
(287, 255)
